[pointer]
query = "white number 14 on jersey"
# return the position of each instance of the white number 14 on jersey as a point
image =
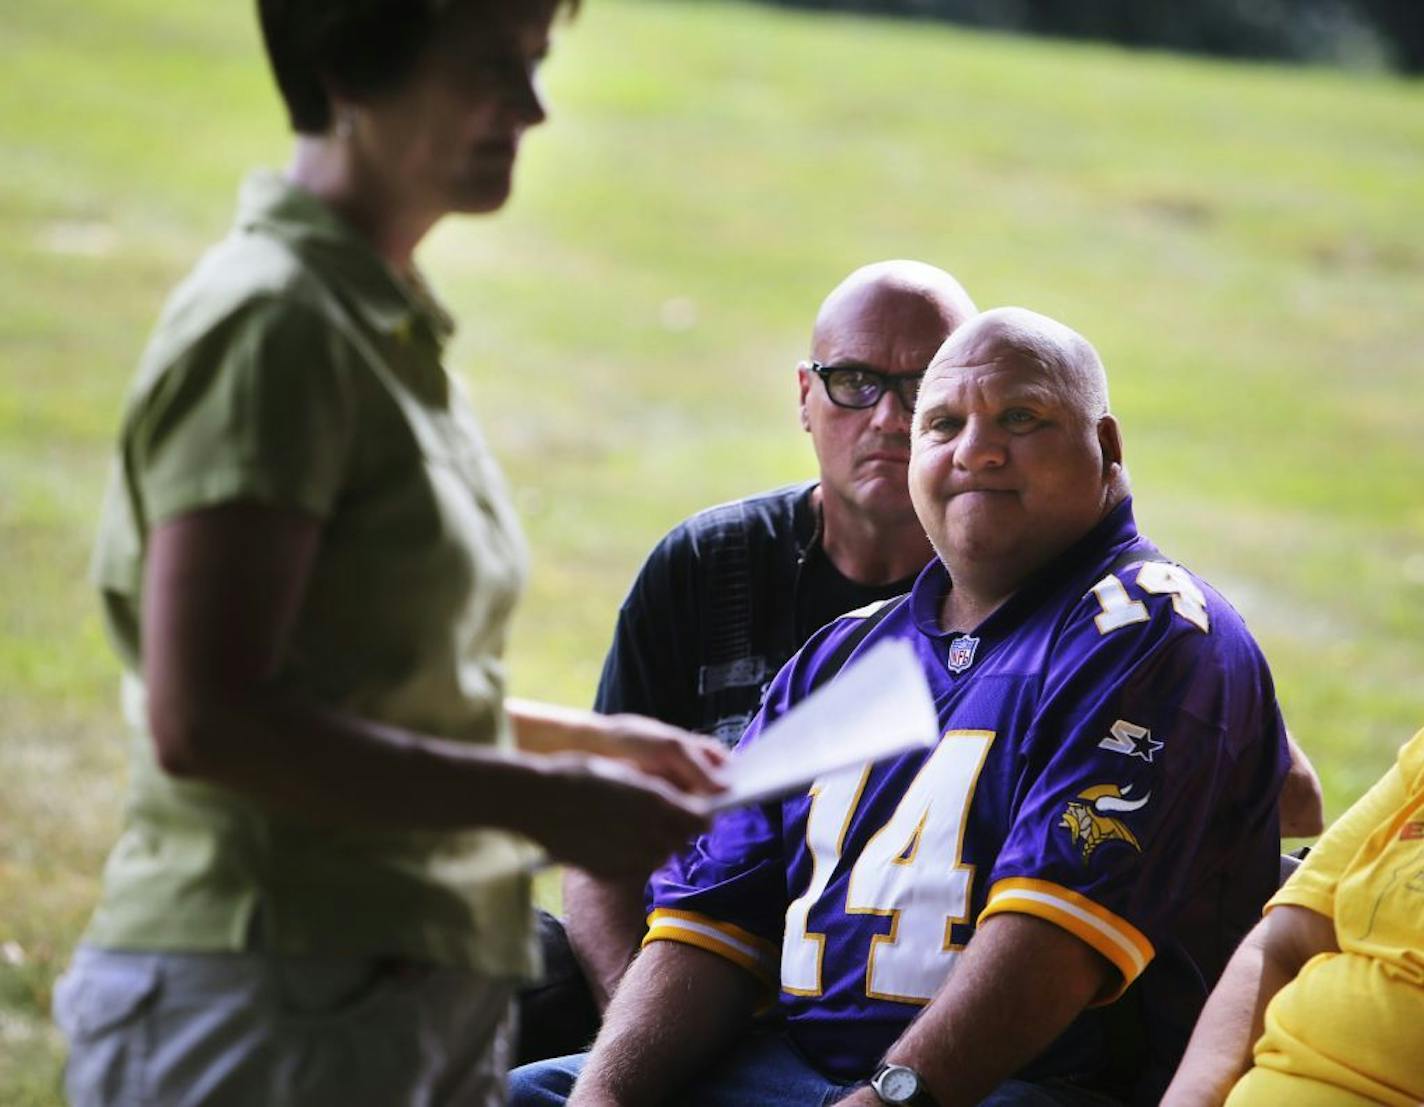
(910, 871)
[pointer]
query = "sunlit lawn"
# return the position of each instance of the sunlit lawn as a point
(1244, 244)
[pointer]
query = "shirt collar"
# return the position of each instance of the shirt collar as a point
(400, 307)
(1114, 533)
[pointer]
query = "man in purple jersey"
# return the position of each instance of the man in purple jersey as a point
(727, 597)
(1034, 910)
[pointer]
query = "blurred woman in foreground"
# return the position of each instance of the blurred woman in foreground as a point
(1334, 973)
(308, 561)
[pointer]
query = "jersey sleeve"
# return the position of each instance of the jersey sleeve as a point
(651, 665)
(728, 893)
(1313, 884)
(1153, 763)
(259, 410)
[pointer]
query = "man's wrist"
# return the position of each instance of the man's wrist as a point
(901, 1086)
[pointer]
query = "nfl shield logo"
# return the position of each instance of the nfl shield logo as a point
(961, 653)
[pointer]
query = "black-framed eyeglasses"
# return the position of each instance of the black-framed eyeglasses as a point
(857, 387)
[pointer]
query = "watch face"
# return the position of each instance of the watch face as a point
(899, 1084)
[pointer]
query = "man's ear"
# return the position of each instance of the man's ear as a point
(340, 104)
(803, 384)
(1110, 443)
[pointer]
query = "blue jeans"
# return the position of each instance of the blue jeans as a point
(764, 1071)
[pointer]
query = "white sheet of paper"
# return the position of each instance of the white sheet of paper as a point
(872, 709)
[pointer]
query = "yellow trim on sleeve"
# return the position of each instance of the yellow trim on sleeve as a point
(1126, 947)
(741, 947)
(730, 929)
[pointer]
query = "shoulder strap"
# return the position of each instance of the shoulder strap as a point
(732, 645)
(847, 645)
(728, 584)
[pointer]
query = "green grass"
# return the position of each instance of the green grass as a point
(1244, 244)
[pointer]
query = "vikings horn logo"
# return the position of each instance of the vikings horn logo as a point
(1095, 821)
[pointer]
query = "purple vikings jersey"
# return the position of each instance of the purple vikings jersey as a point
(1110, 760)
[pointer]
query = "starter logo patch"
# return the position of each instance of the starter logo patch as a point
(1131, 740)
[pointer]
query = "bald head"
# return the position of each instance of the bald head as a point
(874, 335)
(1017, 334)
(908, 294)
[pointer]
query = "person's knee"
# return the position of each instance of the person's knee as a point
(545, 1083)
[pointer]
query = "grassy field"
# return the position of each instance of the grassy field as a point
(1244, 244)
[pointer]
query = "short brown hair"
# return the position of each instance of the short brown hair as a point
(363, 47)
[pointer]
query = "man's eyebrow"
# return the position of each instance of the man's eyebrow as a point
(1036, 394)
(854, 363)
(933, 406)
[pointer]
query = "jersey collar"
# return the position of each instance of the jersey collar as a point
(1114, 533)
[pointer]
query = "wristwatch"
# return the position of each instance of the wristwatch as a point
(900, 1086)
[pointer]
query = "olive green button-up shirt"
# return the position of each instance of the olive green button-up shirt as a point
(293, 368)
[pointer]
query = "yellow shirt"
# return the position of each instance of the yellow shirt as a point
(293, 368)
(1350, 1027)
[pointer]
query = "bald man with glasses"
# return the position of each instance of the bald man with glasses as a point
(730, 594)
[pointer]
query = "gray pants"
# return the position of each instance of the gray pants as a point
(246, 1029)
